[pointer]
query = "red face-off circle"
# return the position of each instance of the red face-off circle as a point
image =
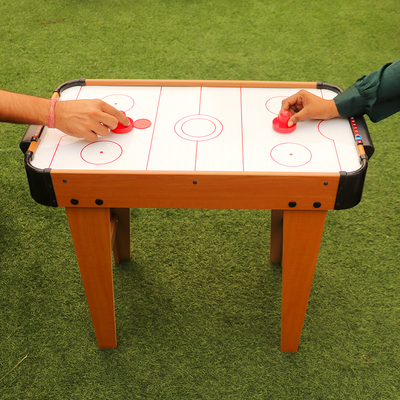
(121, 102)
(101, 152)
(291, 154)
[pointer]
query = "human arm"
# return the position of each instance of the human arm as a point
(376, 94)
(80, 118)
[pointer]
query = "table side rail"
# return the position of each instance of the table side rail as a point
(203, 83)
(213, 190)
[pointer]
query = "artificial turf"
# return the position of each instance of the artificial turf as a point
(198, 305)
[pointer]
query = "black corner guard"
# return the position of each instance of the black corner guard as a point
(27, 139)
(66, 85)
(351, 186)
(40, 183)
(329, 86)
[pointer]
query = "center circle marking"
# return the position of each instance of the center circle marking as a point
(198, 128)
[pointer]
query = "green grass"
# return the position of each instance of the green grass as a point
(198, 305)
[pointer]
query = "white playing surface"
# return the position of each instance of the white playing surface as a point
(202, 129)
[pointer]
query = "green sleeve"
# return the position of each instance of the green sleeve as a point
(376, 94)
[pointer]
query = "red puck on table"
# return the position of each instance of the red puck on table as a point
(280, 124)
(142, 123)
(122, 128)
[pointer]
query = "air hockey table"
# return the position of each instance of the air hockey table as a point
(205, 145)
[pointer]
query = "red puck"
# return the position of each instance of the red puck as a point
(280, 124)
(142, 123)
(122, 128)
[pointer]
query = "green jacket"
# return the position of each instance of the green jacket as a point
(376, 94)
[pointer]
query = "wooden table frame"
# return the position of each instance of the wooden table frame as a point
(100, 202)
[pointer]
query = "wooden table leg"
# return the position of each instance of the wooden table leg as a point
(302, 234)
(122, 242)
(91, 234)
(276, 240)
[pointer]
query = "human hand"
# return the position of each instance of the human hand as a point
(87, 119)
(304, 105)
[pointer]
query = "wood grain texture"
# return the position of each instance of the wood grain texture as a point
(302, 234)
(91, 234)
(218, 190)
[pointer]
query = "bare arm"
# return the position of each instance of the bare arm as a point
(80, 118)
(23, 109)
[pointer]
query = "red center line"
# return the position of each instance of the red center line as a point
(195, 158)
(197, 142)
(201, 93)
(154, 128)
